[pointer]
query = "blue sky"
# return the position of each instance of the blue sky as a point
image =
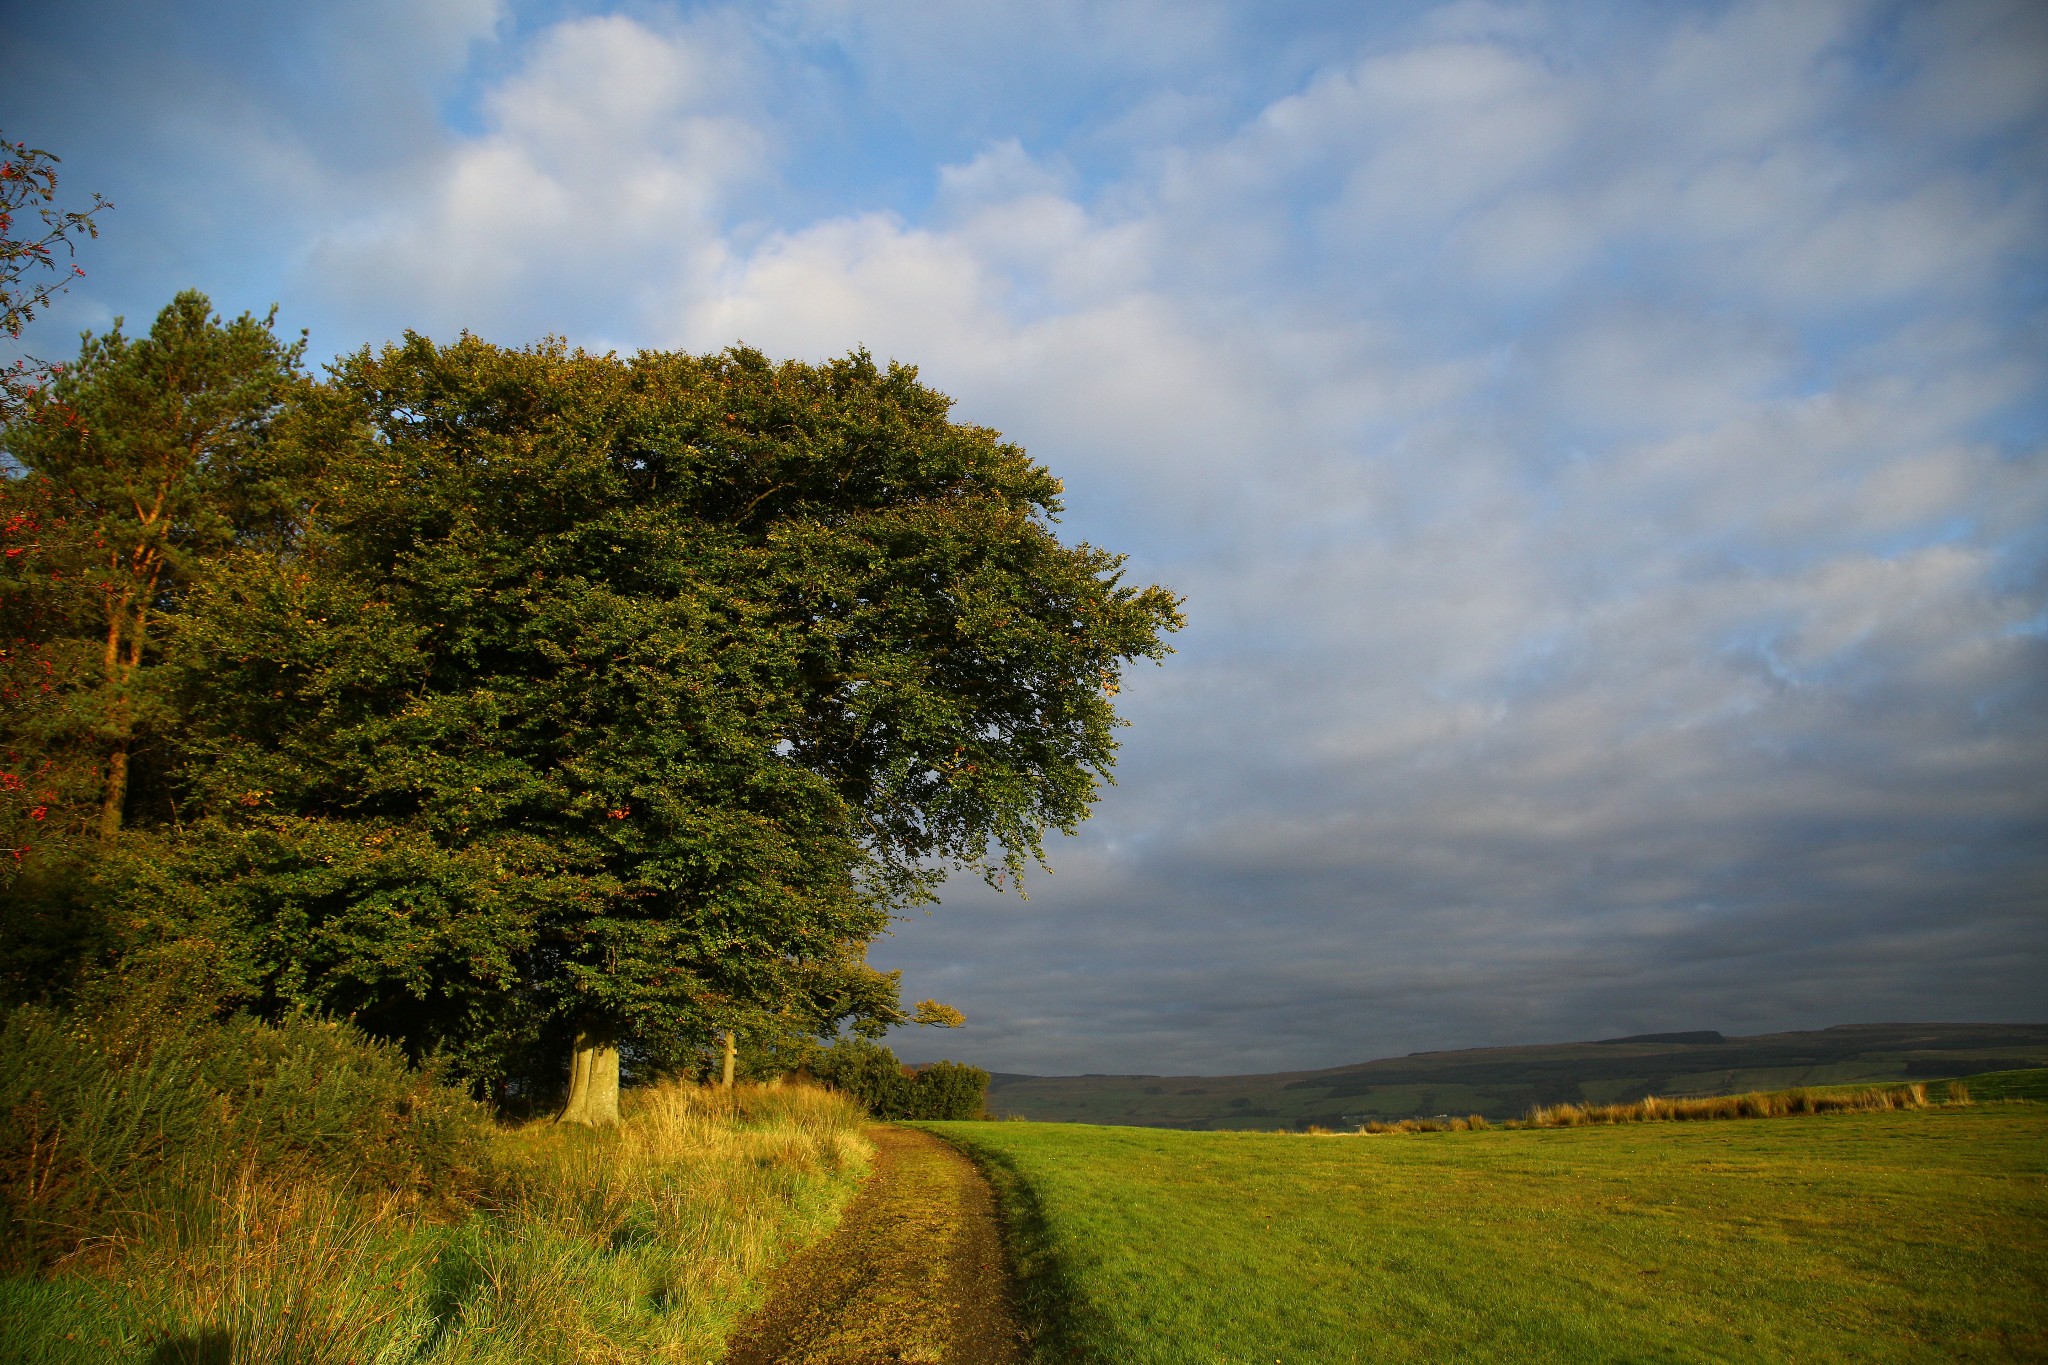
(1602, 446)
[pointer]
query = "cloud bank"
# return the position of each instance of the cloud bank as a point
(1602, 449)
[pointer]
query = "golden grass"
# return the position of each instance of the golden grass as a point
(302, 1273)
(644, 1243)
(1756, 1104)
(1470, 1123)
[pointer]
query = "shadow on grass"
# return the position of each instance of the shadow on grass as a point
(203, 1348)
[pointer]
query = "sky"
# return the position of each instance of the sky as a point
(1603, 447)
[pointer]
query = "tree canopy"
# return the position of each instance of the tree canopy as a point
(628, 698)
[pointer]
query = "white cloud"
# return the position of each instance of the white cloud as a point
(1603, 460)
(602, 182)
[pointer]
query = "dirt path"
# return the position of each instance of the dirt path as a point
(914, 1272)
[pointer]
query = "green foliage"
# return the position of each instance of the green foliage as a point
(871, 1074)
(634, 695)
(947, 1090)
(144, 462)
(1848, 1237)
(867, 1072)
(489, 697)
(103, 1121)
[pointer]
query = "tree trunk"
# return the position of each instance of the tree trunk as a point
(593, 1080)
(730, 1049)
(115, 797)
(127, 622)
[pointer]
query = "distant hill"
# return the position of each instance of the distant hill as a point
(1503, 1082)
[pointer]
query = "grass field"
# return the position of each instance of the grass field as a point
(1850, 1237)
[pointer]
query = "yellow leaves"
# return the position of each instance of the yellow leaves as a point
(937, 1014)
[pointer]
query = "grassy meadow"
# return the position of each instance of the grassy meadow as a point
(1889, 1236)
(137, 1234)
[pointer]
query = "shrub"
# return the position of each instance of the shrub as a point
(947, 1090)
(870, 1073)
(867, 1072)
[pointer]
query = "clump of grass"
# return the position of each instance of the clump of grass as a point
(307, 1273)
(650, 1239)
(183, 1206)
(1756, 1104)
(1470, 1123)
(102, 1137)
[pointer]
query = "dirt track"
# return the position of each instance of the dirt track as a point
(914, 1272)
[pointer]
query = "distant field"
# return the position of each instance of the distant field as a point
(1857, 1237)
(2011, 1085)
(1505, 1082)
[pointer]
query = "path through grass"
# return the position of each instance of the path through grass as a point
(914, 1272)
(1852, 1237)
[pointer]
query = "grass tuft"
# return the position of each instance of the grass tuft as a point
(1757, 1104)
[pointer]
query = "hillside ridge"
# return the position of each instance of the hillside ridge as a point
(1502, 1082)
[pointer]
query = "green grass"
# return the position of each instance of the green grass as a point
(1850, 1237)
(2031, 1084)
(645, 1243)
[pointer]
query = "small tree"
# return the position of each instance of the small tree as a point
(145, 460)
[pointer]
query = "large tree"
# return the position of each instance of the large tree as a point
(619, 701)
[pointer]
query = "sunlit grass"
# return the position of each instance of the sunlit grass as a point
(644, 1243)
(1756, 1104)
(1903, 1235)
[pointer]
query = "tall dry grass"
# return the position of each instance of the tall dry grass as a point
(643, 1243)
(649, 1241)
(283, 1274)
(1756, 1104)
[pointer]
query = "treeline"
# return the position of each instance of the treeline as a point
(525, 704)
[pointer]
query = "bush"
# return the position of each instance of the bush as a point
(871, 1074)
(91, 1132)
(948, 1090)
(866, 1071)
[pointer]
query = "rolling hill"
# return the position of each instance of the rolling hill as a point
(1503, 1082)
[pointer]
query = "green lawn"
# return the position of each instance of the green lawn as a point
(1854, 1237)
